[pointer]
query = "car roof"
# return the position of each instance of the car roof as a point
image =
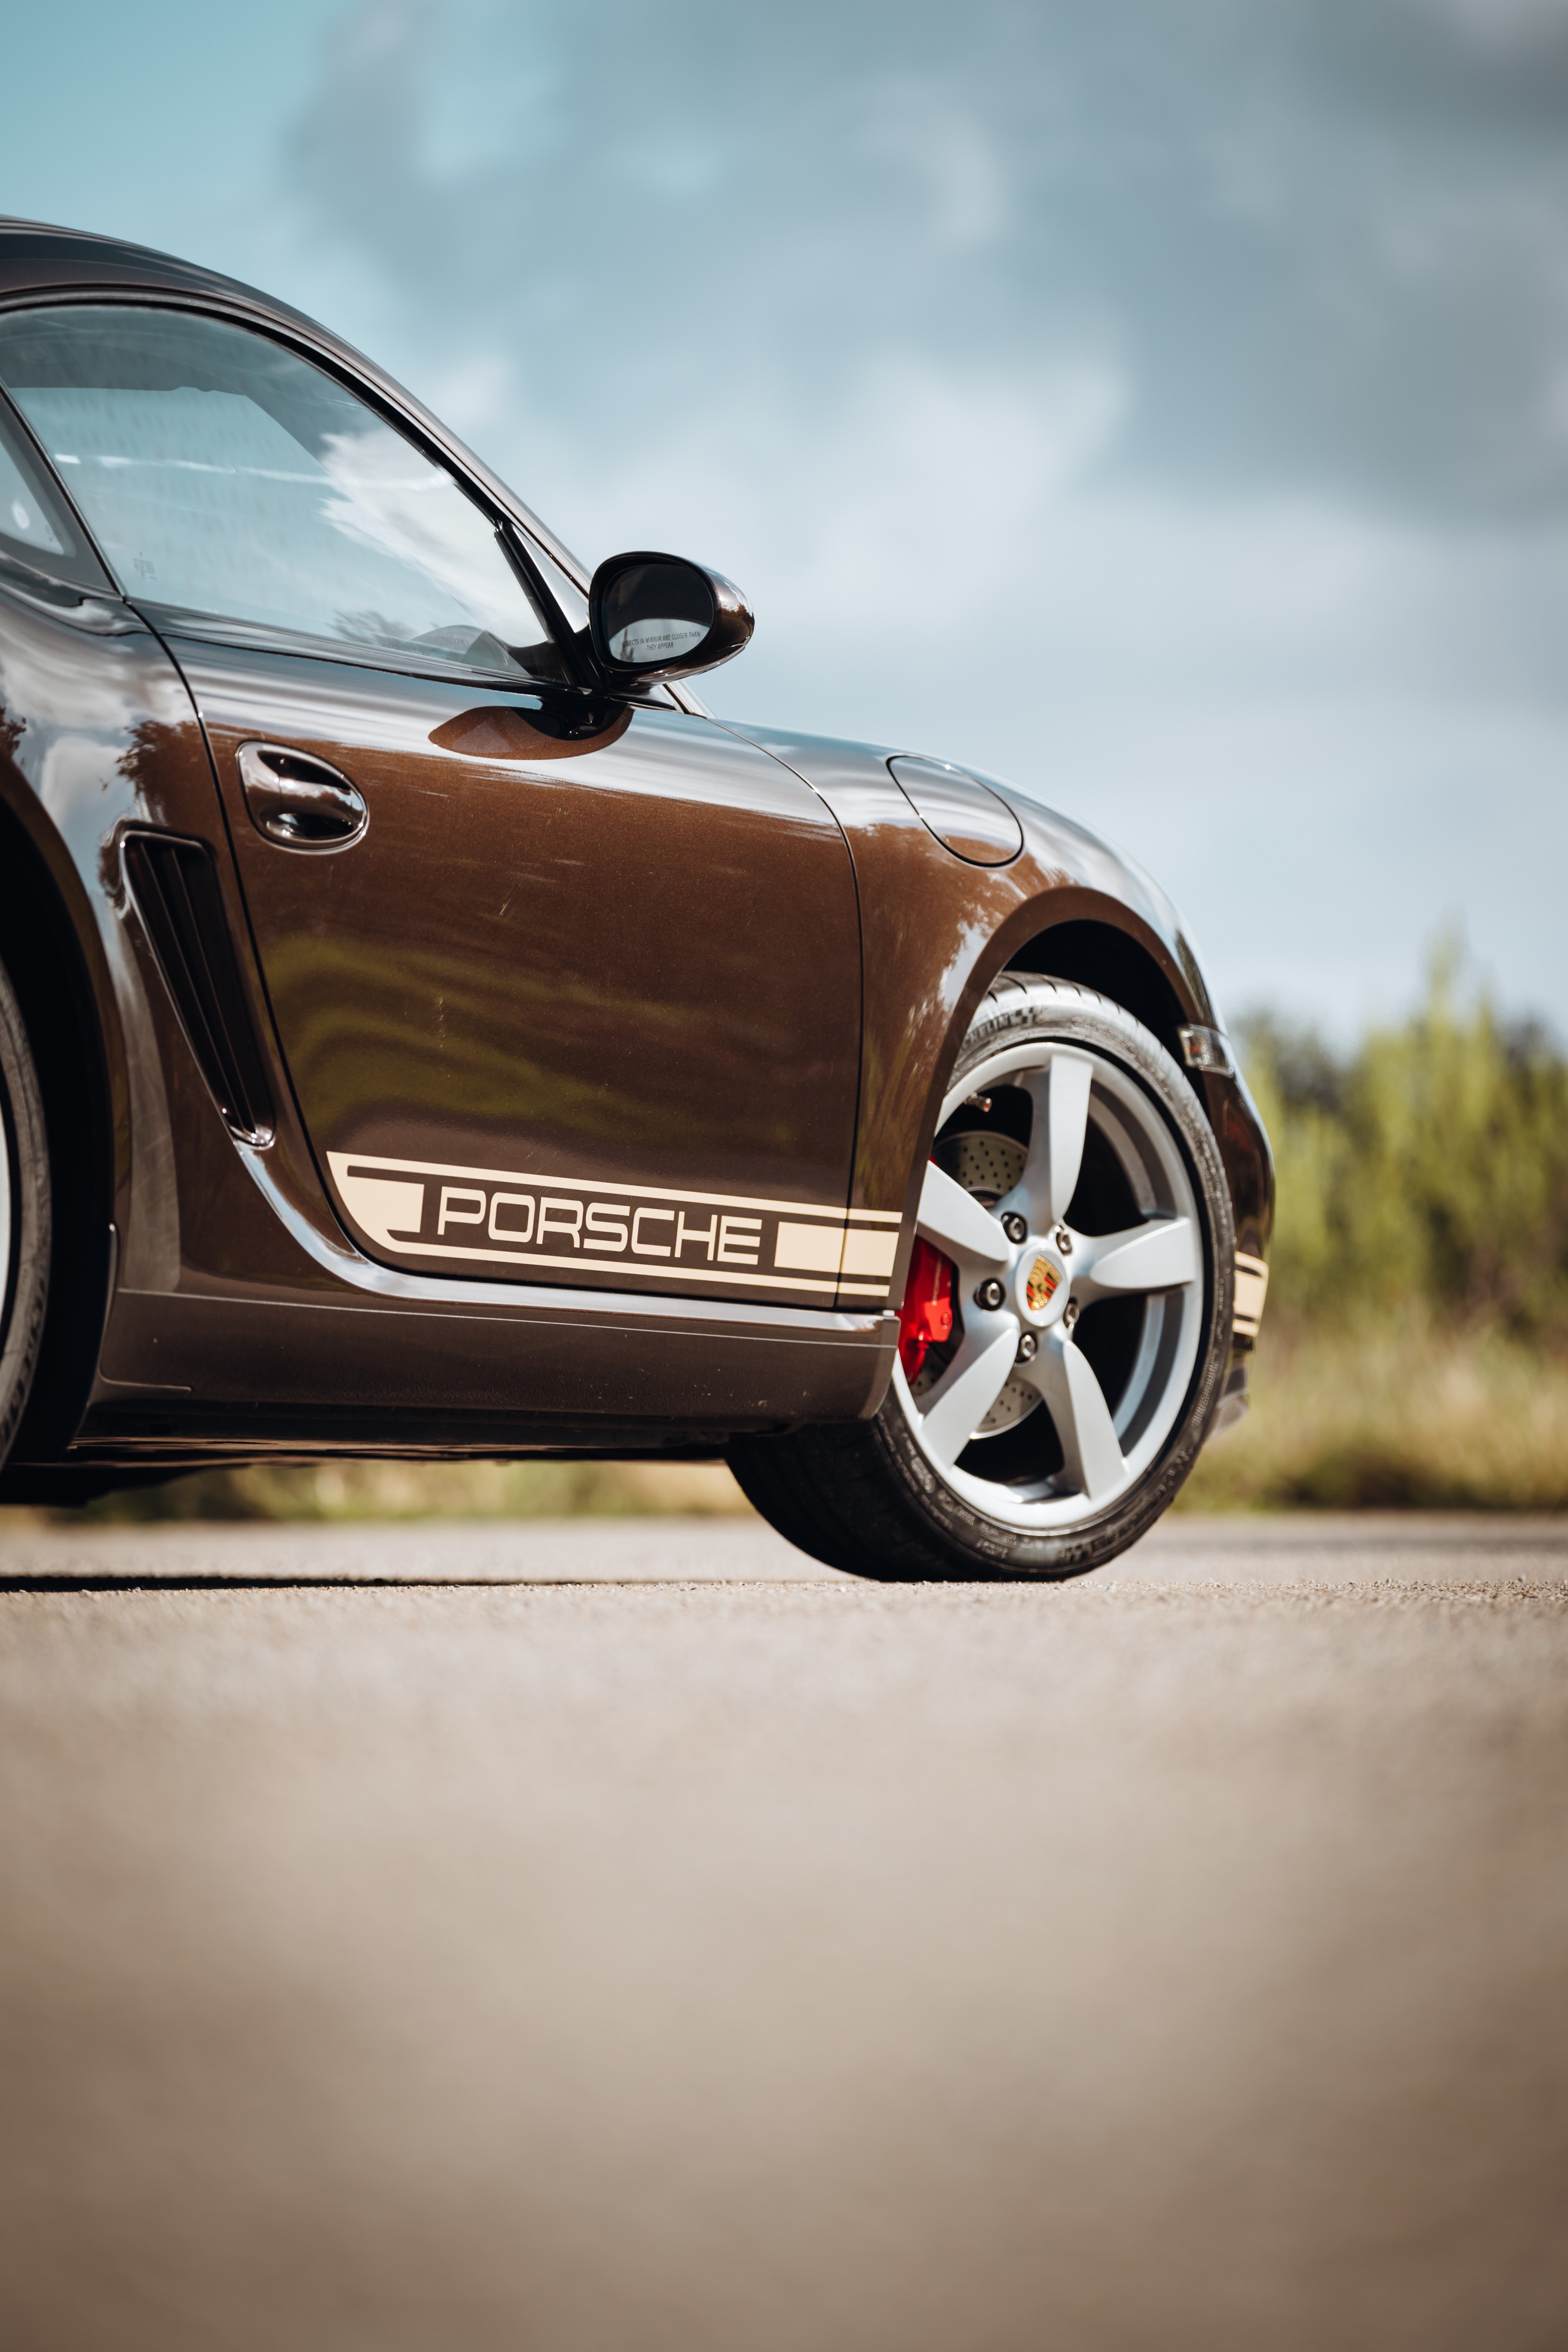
(36, 258)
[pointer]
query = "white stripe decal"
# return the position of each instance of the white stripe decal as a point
(580, 1227)
(870, 1253)
(336, 1160)
(817, 1248)
(1251, 1290)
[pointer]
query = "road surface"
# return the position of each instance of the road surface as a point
(616, 1936)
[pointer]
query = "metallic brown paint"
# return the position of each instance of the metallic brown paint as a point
(702, 1007)
(937, 930)
(965, 816)
(638, 964)
(268, 1368)
(238, 1302)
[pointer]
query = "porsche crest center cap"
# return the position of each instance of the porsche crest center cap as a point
(1041, 1285)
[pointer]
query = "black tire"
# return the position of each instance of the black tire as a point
(866, 1496)
(24, 1216)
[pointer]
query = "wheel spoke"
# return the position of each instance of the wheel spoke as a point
(1076, 1401)
(1061, 1096)
(953, 1221)
(1161, 1255)
(973, 1382)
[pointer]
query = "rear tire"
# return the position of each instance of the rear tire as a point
(1092, 1330)
(24, 1216)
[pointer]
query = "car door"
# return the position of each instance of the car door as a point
(568, 989)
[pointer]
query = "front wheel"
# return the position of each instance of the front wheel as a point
(1067, 1323)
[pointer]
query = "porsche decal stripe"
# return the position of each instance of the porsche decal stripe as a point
(1251, 1290)
(815, 1249)
(338, 1159)
(581, 1226)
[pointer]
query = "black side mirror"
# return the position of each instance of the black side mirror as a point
(653, 616)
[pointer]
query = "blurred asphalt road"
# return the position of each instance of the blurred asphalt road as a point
(623, 1936)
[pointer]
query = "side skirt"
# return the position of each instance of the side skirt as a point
(221, 1373)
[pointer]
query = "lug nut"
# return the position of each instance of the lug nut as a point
(1064, 1241)
(989, 1294)
(1070, 1315)
(1015, 1227)
(1029, 1348)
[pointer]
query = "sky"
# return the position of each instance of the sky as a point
(1163, 404)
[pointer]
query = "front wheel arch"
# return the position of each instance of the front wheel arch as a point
(1110, 961)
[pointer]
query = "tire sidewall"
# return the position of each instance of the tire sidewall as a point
(26, 1274)
(1024, 1010)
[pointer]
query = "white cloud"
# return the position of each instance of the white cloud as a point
(912, 128)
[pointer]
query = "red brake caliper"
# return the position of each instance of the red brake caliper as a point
(925, 1319)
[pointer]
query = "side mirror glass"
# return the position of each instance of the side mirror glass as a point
(653, 617)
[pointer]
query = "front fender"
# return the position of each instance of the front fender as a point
(935, 931)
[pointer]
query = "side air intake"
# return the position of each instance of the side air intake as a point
(175, 888)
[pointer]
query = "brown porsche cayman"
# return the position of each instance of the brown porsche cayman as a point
(425, 1030)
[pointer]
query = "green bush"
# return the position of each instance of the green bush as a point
(1428, 1169)
(1415, 1351)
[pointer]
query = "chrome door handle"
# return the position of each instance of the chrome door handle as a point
(298, 801)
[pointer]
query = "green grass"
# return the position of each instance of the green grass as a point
(1393, 1412)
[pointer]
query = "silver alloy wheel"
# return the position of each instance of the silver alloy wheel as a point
(1010, 1293)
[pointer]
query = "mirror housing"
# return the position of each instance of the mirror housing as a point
(655, 616)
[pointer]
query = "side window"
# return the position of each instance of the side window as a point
(229, 482)
(37, 527)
